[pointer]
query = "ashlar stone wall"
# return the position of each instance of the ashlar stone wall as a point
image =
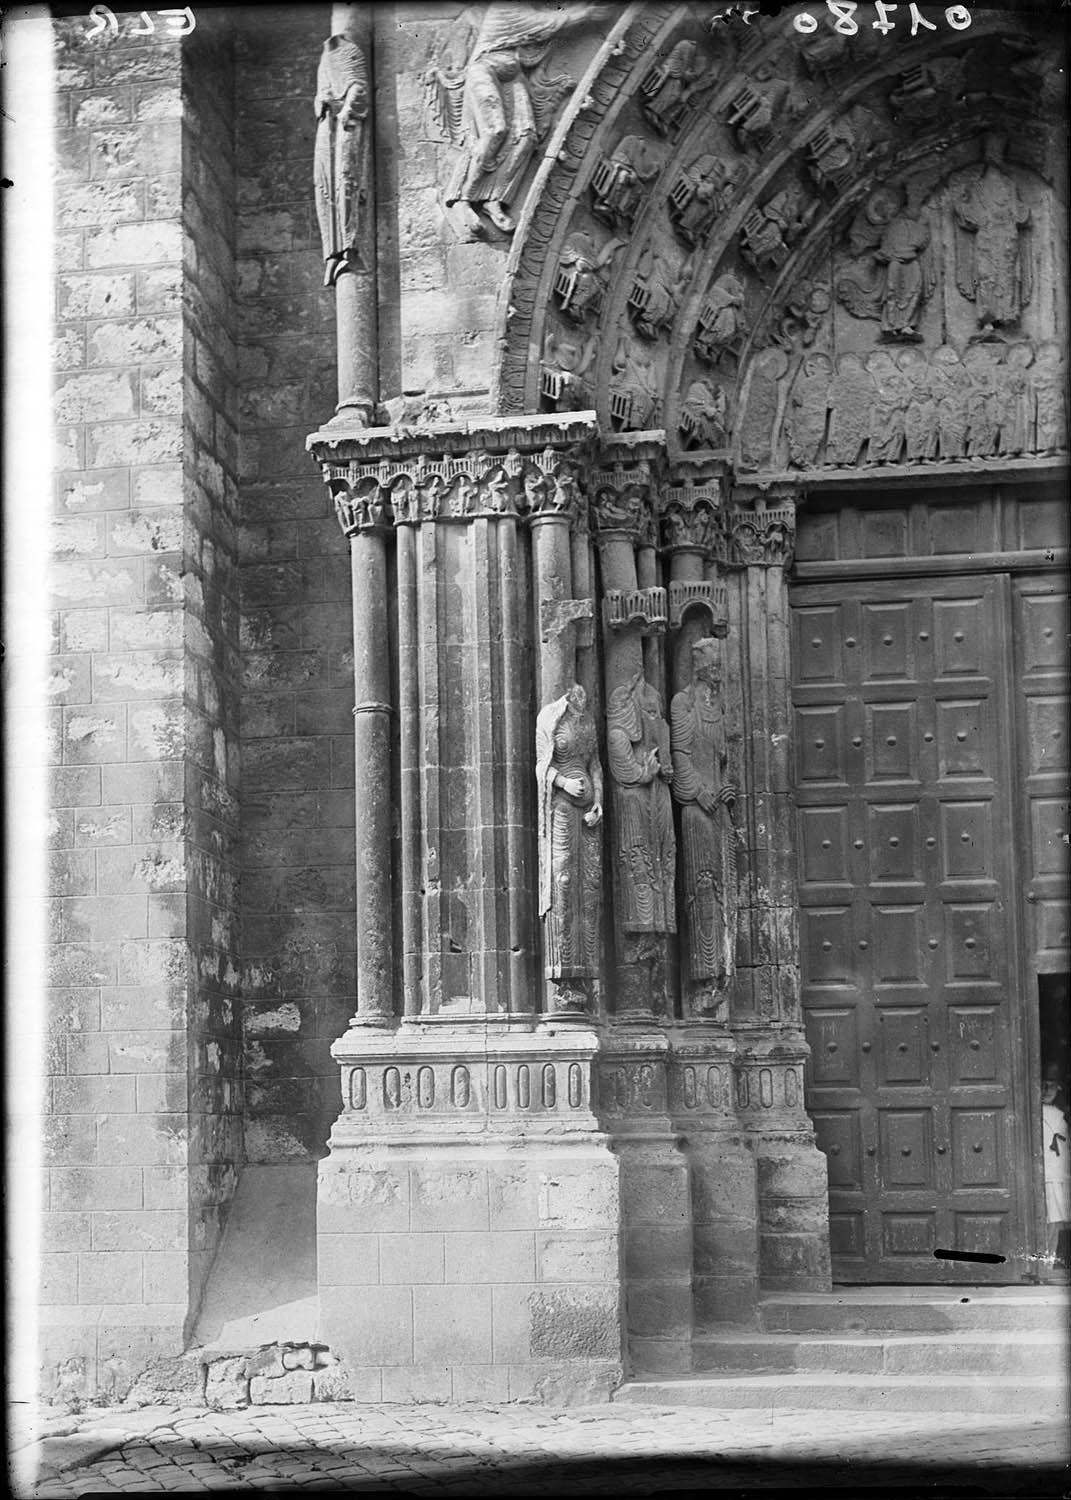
(145, 1126)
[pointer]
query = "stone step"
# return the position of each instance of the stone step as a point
(916, 1310)
(961, 1353)
(1018, 1394)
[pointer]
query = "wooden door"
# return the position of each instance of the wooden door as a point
(907, 914)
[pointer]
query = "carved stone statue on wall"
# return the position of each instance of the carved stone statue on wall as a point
(498, 105)
(656, 292)
(722, 320)
(701, 194)
(1050, 387)
(888, 408)
(566, 361)
(851, 392)
(569, 779)
(951, 383)
(342, 158)
(769, 232)
(709, 838)
(704, 418)
(893, 274)
(993, 249)
(618, 182)
(638, 752)
(669, 87)
(635, 397)
(920, 418)
(583, 275)
(805, 419)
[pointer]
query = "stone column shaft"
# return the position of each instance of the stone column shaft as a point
(372, 780)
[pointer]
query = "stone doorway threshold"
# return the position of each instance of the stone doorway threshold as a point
(262, 1286)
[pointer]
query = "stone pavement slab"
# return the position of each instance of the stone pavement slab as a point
(485, 1450)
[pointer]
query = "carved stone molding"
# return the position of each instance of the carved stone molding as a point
(385, 477)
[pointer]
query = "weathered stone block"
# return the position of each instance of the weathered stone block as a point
(490, 1257)
(354, 1259)
(96, 397)
(451, 1324)
(449, 1197)
(294, 1388)
(167, 1276)
(417, 1383)
(658, 1310)
(142, 1230)
(368, 1330)
(579, 1197)
(226, 1384)
(114, 1276)
(128, 244)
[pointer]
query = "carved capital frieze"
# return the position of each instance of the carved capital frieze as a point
(762, 533)
(691, 515)
(623, 497)
(384, 477)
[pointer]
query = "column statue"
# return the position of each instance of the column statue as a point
(342, 157)
(569, 778)
(708, 836)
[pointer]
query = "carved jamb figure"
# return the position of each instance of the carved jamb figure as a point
(920, 419)
(851, 393)
(704, 418)
(342, 156)
(888, 409)
(706, 794)
(894, 273)
(993, 241)
(700, 195)
(498, 104)
(1050, 386)
(808, 406)
(569, 778)
(670, 85)
(638, 753)
(950, 383)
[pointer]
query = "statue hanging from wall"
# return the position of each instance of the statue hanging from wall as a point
(569, 778)
(893, 273)
(706, 794)
(498, 104)
(704, 415)
(670, 86)
(701, 194)
(656, 292)
(993, 240)
(583, 275)
(342, 158)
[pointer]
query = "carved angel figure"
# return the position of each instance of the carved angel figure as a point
(894, 273)
(498, 103)
(700, 195)
(669, 87)
(637, 749)
(993, 249)
(341, 161)
(706, 794)
(569, 778)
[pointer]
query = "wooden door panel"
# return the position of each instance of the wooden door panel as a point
(905, 890)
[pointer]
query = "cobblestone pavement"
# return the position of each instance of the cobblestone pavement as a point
(431, 1450)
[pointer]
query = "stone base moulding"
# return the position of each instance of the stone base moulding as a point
(468, 1220)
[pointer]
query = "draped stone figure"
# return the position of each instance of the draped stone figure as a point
(341, 162)
(638, 751)
(498, 105)
(569, 778)
(708, 837)
(993, 252)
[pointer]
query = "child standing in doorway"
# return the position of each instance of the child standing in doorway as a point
(1056, 1137)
